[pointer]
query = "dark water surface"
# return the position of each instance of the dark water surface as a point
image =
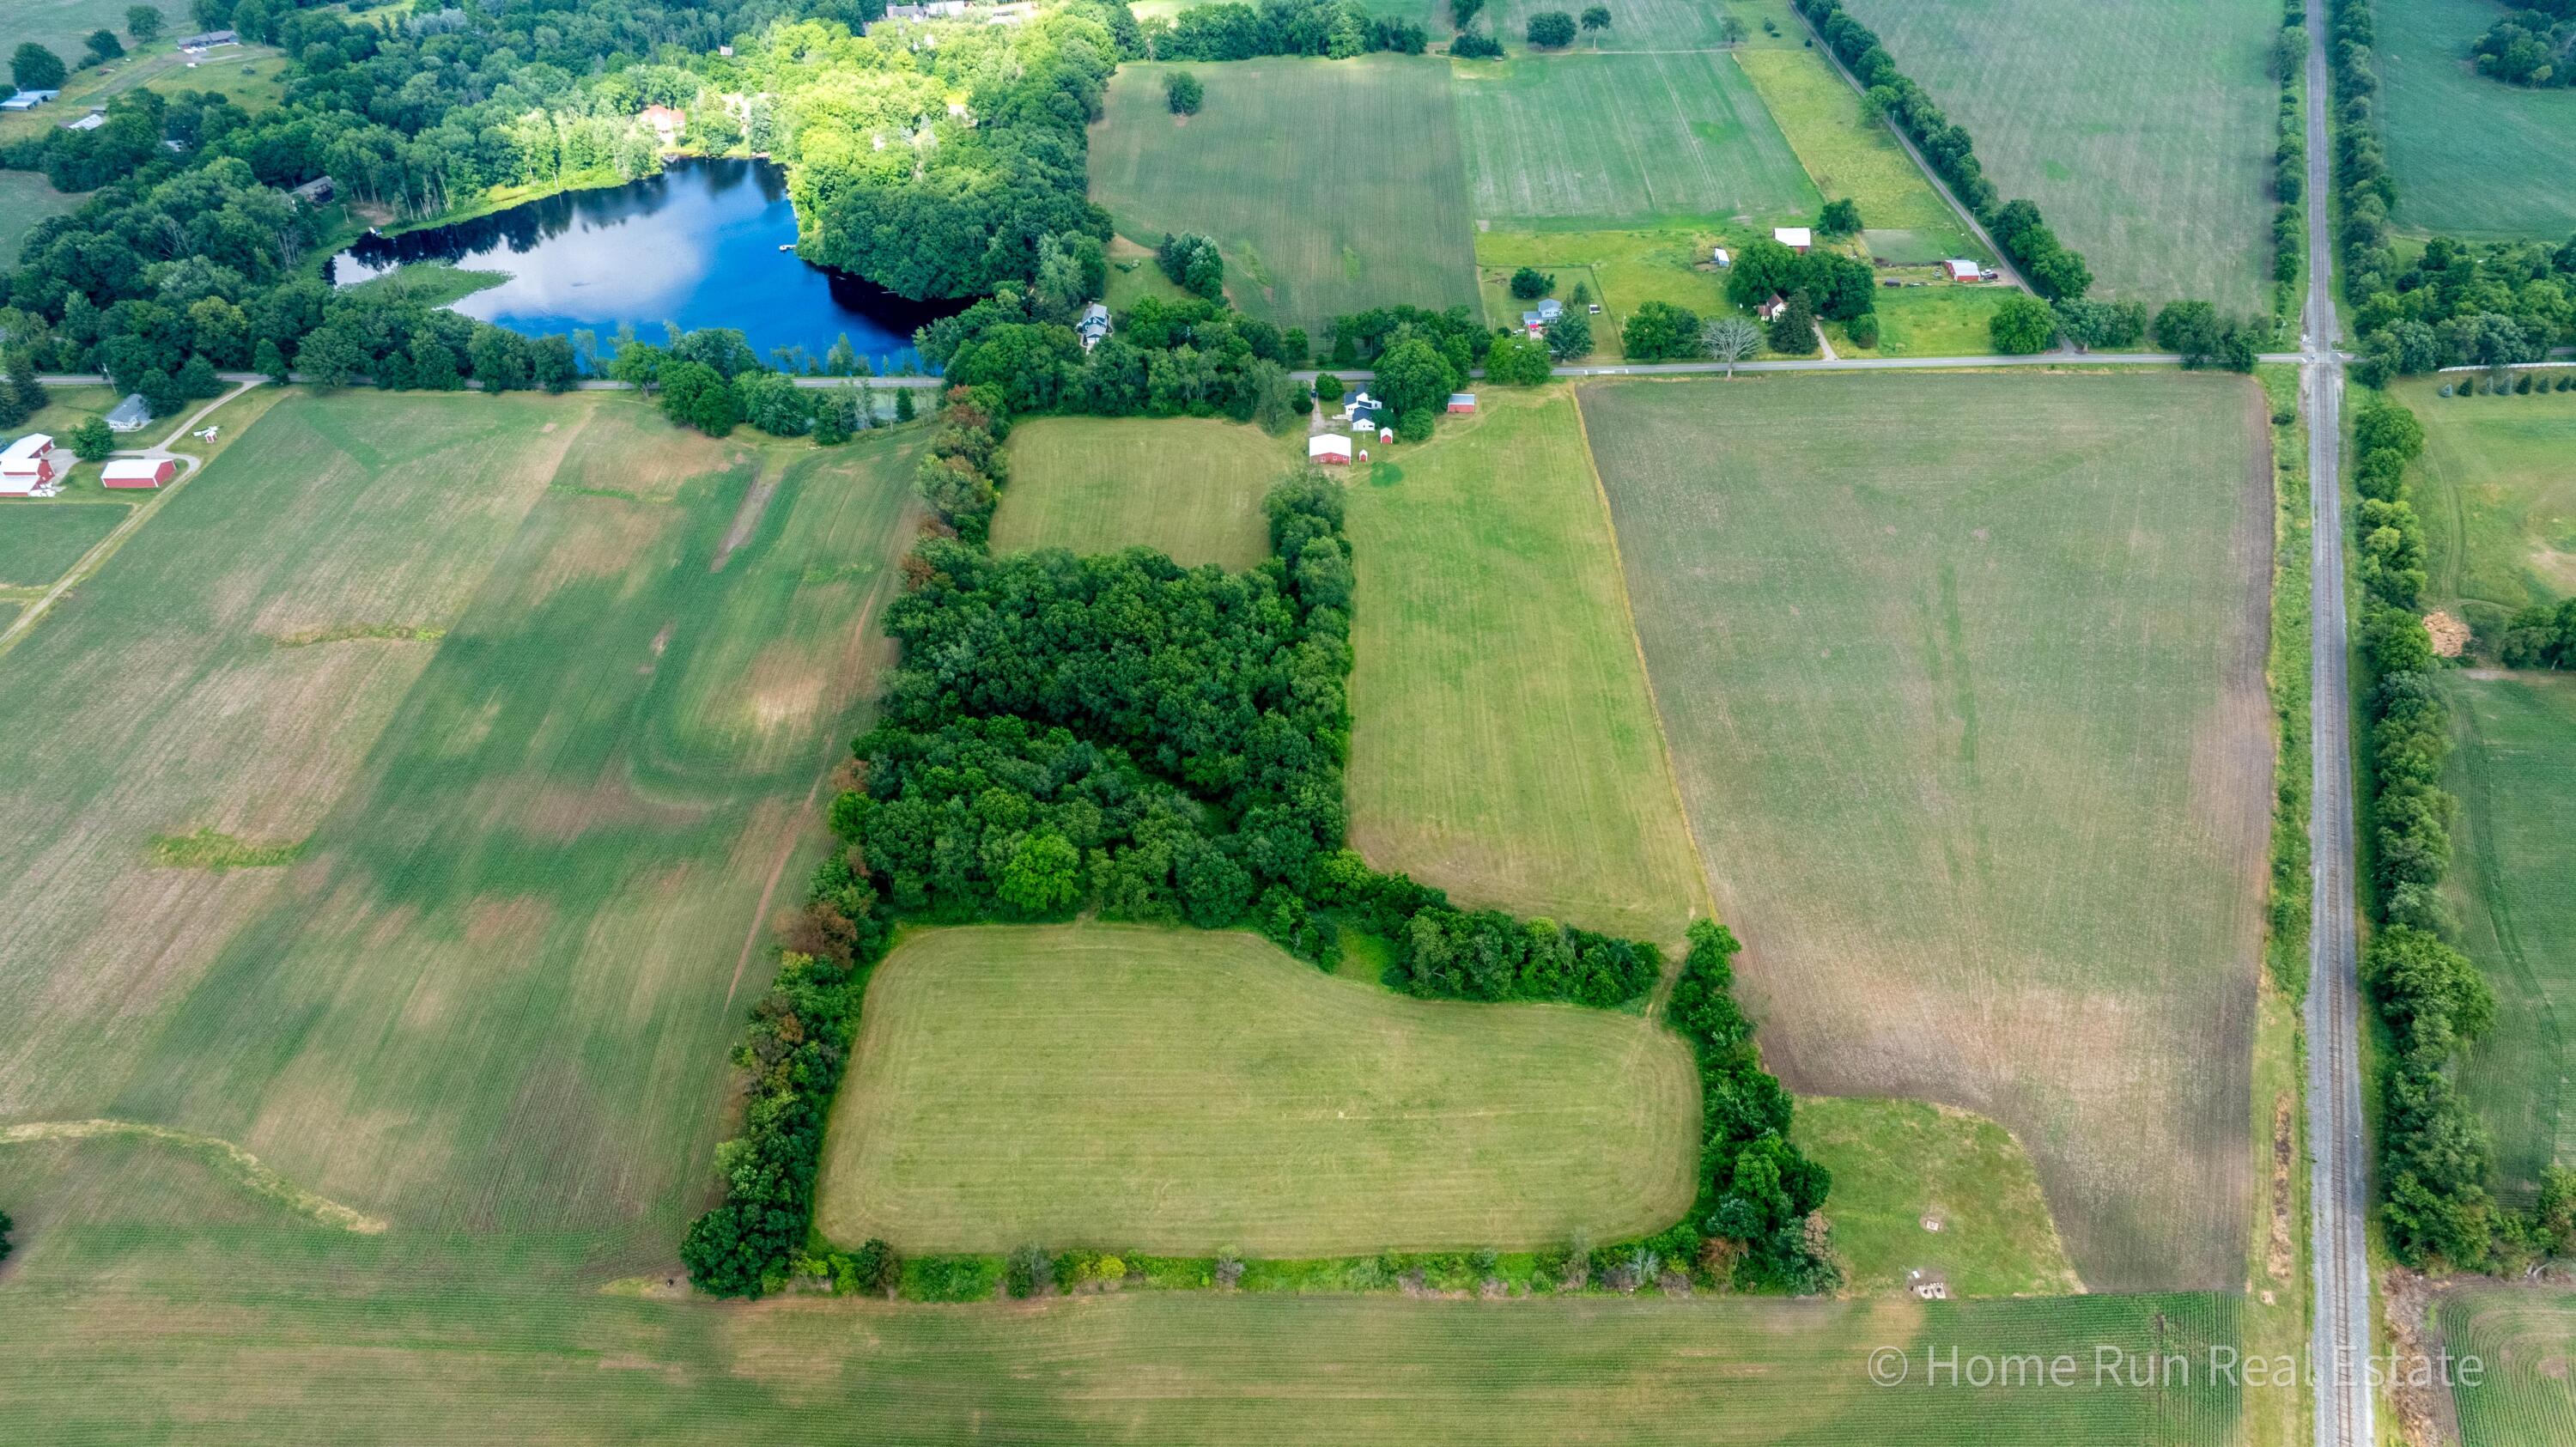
(696, 245)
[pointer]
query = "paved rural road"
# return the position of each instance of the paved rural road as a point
(2339, 1171)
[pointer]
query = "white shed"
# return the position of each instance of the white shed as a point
(1328, 447)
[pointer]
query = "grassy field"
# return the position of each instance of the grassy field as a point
(1963, 678)
(1940, 320)
(2514, 770)
(2472, 156)
(544, 740)
(1331, 186)
(1900, 1163)
(1635, 26)
(1505, 746)
(1178, 1091)
(1625, 269)
(25, 199)
(39, 540)
(1189, 487)
(2497, 489)
(1852, 156)
(1585, 142)
(63, 26)
(2525, 1339)
(2145, 132)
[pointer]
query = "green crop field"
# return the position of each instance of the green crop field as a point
(1189, 487)
(2144, 132)
(2524, 1340)
(2514, 769)
(1504, 746)
(1179, 1091)
(1583, 141)
(1963, 678)
(2472, 156)
(535, 694)
(1899, 1164)
(2497, 489)
(1331, 186)
(25, 199)
(1851, 156)
(39, 540)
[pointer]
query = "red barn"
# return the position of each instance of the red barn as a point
(138, 471)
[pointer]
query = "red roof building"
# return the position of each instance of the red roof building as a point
(138, 471)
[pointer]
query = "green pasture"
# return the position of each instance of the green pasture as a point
(1184, 486)
(2144, 132)
(2513, 767)
(1963, 678)
(2497, 491)
(63, 26)
(1181, 1091)
(1331, 186)
(1851, 156)
(26, 198)
(2523, 1339)
(39, 541)
(2472, 156)
(1924, 1188)
(1585, 142)
(1938, 320)
(1504, 745)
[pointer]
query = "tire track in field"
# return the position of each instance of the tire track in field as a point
(244, 1168)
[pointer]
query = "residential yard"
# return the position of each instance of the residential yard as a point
(1586, 141)
(1251, 1102)
(2472, 156)
(1184, 486)
(1330, 186)
(1625, 270)
(2513, 766)
(2144, 132)
(1504, 745)
(1963, 679)
(27, 198)
(2497, 491)
(1938, 320)
(1900, 1164)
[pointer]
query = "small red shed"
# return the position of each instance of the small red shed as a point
(138, 471)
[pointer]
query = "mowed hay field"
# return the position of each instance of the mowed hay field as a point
(1179, 1092)
(1504, 745)
(1331, 186)
(2525, 1340)
(178, 1310)
(538, 692)
(39, 541)
(2144, 132)
(2513, 767)
(2472, 156)
(2497, 489)
(1583, 140)
(1963, 680)
(1189, 487)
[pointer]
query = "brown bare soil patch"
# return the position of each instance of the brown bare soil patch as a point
(2279, 1253)
(2450, 635)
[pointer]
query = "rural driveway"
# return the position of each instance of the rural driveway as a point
(2339, 1172)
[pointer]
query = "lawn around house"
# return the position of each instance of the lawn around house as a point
(2144, 132)
(2472, 156)
(1330, 186)
(1190, 488)
(1963, 680)
(1504, 746)
(1179, 1091)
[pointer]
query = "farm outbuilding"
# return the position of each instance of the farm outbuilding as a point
(27, 465)
(1719, 255)
(138, 471)
(1964, 270)
(1462, 401)
(1328, 447)
(1796, 238)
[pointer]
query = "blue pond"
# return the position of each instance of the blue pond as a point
(697, 245)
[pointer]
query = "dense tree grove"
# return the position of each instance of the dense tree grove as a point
(2533, 44)
(2055, 271)
(2456, 304)
(1230, 30)
(1188, 358)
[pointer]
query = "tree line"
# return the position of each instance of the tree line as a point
(1230, 30)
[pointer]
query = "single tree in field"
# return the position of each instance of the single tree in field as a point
(2023, 325)
(143, 23)
(1184, 92)
(1839, 218)
(34, 67)
(91, 441)
(1731, 340)
(104, 46)
(1596, 18)
(1529, 283)
(1551, 30)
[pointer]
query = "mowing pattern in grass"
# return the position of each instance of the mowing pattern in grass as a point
(2472, 156)
(25, 199)
(1178, 1091)
(63, 26)
(1850, 155)
(1331, 186)
(2514, 770)
(1963, 677)
(2525, 1340)
(39, 541)
(1900, 1163)
(492, 991)
(250, 1325)
(1603, 140)
(1187, 487)
(2497, 488)
(1504, 746)
(2145, 132)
